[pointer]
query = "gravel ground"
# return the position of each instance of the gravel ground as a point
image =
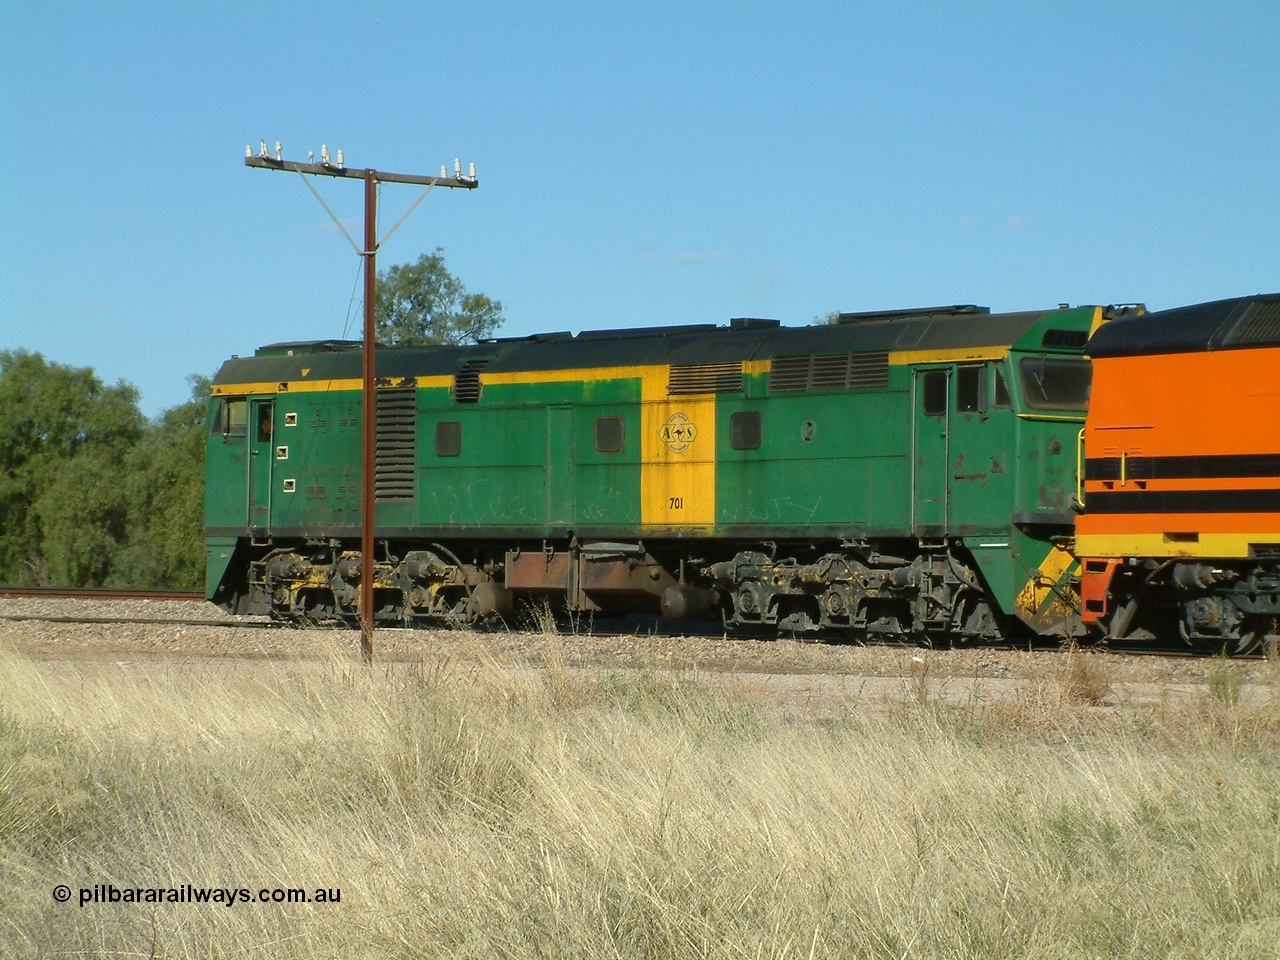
(638, 649)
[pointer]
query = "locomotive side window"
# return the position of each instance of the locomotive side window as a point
(218, 419)
(230, 418)
(1001, 400)
(264, 423)
(744, 430)
(1055, 384)
(935, 393)
(449, 439)
(971, 389)
(609, 434)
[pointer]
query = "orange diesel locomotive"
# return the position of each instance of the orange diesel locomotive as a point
(1180, 521)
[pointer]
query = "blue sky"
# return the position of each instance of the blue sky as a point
(639, 164)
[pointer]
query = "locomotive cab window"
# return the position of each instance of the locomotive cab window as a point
(449, 439)
(1053, 383)
(609, 434)
(744, 430)
(230, 418)
(1001, 400)
(971, 389)
(264, 422)
(935, 393)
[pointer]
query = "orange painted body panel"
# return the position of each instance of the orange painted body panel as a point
(1113, 524)
(1185, 404)
(1205, 404)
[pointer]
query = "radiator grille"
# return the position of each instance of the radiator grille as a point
(705, 378)
(1261, 325)
(832, 371)
(466, 382)
(396, 432)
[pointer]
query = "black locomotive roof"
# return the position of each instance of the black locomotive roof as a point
(1218, 325)
(944, 329)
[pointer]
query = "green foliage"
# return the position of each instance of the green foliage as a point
(421, 303)
(166, 479)
(64, 440)
(92, 494)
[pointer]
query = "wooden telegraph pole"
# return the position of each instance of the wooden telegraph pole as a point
(334, 167)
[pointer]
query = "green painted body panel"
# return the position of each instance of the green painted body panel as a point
(835, 461)
(323, 461)
(218, 554)
(528, 460)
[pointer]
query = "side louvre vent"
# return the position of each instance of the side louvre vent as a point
(705, 378)
(396, 432)
(1065, 339)
(839, 371)
(1260, 324)
(466, 382)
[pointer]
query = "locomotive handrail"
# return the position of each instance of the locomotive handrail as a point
(1068, 417)
(1080, 467)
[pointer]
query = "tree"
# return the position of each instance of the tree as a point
(422, 303)
(64, 443)
(91, 494)
(165, 543)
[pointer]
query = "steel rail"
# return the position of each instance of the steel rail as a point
(102, 593)
(144, 621)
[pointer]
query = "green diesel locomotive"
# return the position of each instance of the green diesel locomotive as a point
(902, 473)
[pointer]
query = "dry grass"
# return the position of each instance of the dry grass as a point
(1084, 675)
(476, 810)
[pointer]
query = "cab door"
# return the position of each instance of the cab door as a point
(561, 460)
(261, 461)
(981, 491)
(931, 453)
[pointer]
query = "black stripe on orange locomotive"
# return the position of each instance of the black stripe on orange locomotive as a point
(1183, 468)
(1184, 501)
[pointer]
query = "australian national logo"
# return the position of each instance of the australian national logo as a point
(677, 433)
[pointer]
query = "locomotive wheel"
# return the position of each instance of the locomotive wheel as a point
(1256, 631)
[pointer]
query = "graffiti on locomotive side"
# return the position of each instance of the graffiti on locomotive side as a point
(611, 505)
(774, 508)
(468, 505)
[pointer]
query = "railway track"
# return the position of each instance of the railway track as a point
(99, 593)
(118, 594)
(171, 621)
(195, 596)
